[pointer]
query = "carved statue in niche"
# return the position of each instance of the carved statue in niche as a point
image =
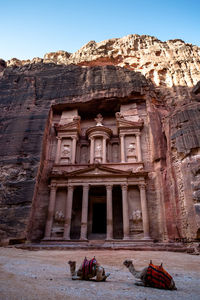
(131, 149)
(66, 151)
(136, 216)
(131, 152)
(99, 120)
(98, 152)
(59, 216)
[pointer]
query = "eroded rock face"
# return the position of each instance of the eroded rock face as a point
(28, 92)
(173, 66)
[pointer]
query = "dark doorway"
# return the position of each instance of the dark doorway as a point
(99, 218)
(117, 213)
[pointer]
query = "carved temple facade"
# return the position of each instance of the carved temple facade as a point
(98, 179)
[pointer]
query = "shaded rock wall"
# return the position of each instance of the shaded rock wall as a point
(27, 93)
(26, 96)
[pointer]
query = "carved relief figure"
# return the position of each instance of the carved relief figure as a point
(59, 216)
(99, 120)
(137, 216)
(66, 151)
(131, 149)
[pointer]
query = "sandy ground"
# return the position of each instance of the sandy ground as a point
(35, 275)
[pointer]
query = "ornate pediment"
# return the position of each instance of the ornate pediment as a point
(72, 126)
(123, 123)
(98, 170)
(94, 171)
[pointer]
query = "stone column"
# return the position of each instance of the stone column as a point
(104, 150)
(84, 217)
(51, 210)
(109, 213)
(68, 213)
(122, 148)
(145, 217)
(91, 150)
(73, 150)
(58, 149)
(139, 153)
(125, 211)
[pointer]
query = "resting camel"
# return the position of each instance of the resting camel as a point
(88, 269)
(152, 276)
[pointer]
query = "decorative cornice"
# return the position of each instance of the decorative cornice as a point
(96, 130)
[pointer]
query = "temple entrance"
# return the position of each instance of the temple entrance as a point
(99, 218)
(97, 213)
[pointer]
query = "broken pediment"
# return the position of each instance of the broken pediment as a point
(124, 123)
(72, 126)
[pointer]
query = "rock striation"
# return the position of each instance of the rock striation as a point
(165, 74)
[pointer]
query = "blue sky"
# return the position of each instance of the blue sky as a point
(31, 28)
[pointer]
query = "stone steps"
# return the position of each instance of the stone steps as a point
(105, 245)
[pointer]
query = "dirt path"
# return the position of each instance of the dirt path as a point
(35, 275)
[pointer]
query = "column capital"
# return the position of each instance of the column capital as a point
(85, 186)
(122, 134)
(70, 187)
(53, 186)
(74, 137)
(109, 187)
(137, 133)
(124, 186)
(59, 138)
(142, 186)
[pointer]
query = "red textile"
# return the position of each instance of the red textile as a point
(158, 277)
(87, 266)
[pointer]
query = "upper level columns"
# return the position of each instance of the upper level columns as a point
(68, 213)
(84, 216)
(104, 151)
(122, 148)
(74, 139)
(59, 140)
(92, 150)
(109, 212)
(51, 209)
(125, 211)
(145, 217)
(139, 152)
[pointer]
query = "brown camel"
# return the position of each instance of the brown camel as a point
(145, 278)
(87, 270)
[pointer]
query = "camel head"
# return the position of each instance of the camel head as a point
(72, 263)
(127, 262)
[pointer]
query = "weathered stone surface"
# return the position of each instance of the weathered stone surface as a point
(28, 92)
(26, 95)
(173, 66)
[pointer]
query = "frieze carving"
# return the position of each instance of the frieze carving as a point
(59, 216)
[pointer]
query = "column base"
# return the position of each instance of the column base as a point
(83, 239)
(109, 239)
(147, 238)
(126, 238)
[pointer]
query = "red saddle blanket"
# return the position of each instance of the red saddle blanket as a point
(88, 265)
(158, 277)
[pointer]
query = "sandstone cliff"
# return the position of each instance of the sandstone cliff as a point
(173, 64)
(108, 69)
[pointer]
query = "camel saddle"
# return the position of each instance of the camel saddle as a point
(87, 266)
(158, 277)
